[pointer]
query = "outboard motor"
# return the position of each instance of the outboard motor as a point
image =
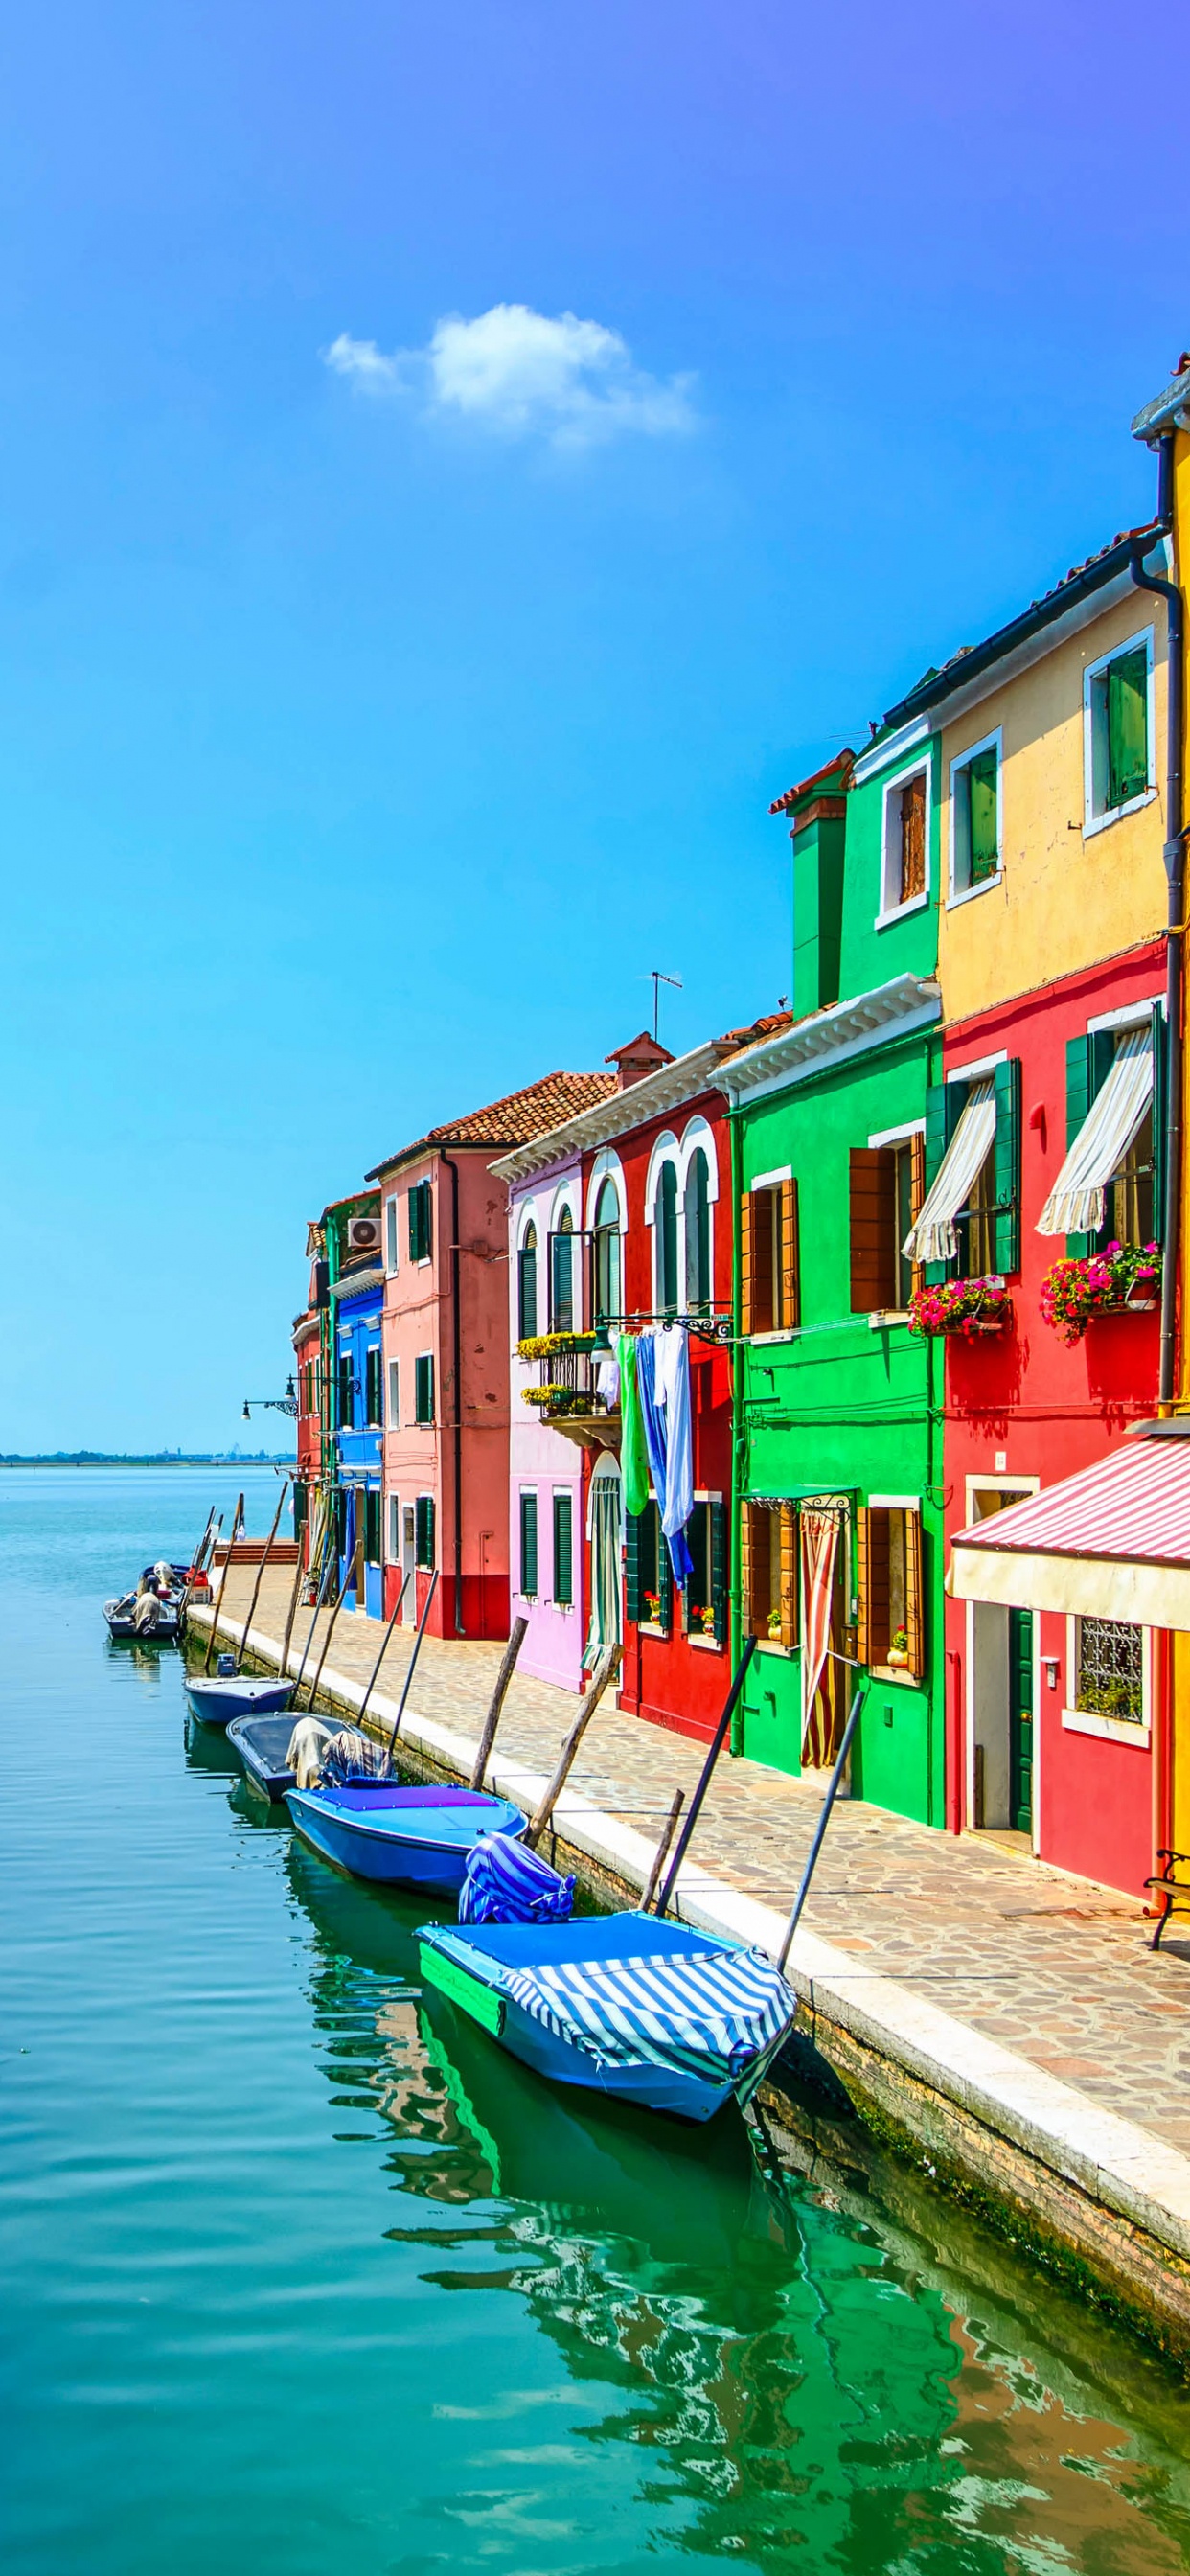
(225, 1667)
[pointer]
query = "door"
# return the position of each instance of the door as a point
(1020, 1720)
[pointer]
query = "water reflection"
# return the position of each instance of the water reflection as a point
(793, 2384)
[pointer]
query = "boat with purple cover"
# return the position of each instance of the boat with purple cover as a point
(419, 1837)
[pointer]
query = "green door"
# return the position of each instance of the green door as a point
(1020, 1720)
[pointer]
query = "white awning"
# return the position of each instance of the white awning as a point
(1077, 1200)
(933, 1236)
(1110, 1543)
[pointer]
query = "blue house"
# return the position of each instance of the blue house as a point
(359, 1426)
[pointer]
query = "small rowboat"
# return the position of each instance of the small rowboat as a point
(262, 1744)
(218, 1698)
(120, 1613)
(627, 2005)
(415, 1837)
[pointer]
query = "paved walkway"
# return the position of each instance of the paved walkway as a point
(1054, 1969)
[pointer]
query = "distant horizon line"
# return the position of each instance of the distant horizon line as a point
(148, 1458)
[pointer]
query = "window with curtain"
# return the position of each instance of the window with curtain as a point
(607, 1253)
(526, 1275)
(562, 1279)
(563, 1550)
(698, 1233)
(667, 1240)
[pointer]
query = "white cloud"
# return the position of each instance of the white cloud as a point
(517, 371)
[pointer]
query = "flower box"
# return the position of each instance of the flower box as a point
(1124, 1280)
(961, 1309)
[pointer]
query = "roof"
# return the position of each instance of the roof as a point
(682, 1078)
(971, 659)
(797, 1049)
(513, 1120)
(1111, 1542)
(1168, 410)
(840, 767)
(356, 1283)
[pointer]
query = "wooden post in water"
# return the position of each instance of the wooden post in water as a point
(323, 1580)
(260, 1570)
(216, 1605)
(194, 1568)
(704, 1778)
(605, 1671)
(298, 1573)
(667, 1834)
(340, 1598)
(492, 1720)
(821, 1826)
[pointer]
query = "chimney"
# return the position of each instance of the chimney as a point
(641, 1055)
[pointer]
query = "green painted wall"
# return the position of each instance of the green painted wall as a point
(869, 956)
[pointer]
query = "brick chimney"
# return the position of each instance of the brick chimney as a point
(641, 1055)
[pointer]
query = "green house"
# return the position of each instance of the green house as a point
(838, 1454)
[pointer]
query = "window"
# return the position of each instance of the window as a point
(666, 1223)
(421, 1222)
(526, 1284)
(969, 1223)
(423, 1531)
(529, 1545)
(341, 1521)
(889, 1586)
(562, 1274)
(373, 1387)
(887, 1186)
(372, 1507)
(394, 1393)
(394, 1529)
(1117, 731)
(706, 1585)
(975, 816)
(423, 1387)
(769, 1267)
(346, 1390)
(608, 1295)
(648, 1583)
(906, 824)
(390, 1233)
(563, 1550)
(308, 1387)
(1110, 1676)
(768, 1572)
(1109, 1189)
(698, 1234)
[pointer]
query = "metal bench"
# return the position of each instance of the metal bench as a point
(1173, 1890)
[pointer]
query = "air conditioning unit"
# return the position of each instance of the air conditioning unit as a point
(363, 1234)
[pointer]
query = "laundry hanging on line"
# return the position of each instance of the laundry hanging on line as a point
(656, 1429)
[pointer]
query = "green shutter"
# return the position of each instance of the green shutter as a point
(1007, 1164)
(719, 1571)
(423, 1524)
(423, 1388)
(1160, 1128)
(941, 1119)
(563, 1550)
(1127, 727)
(529, 1545)
(983, 824)
(1089, 1061)
(632, 1599)
(527, 1292)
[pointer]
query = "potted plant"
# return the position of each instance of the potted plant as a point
(774, 1627)
(652, 1602)
(961, 1309)
(1124, 1279)
(702, 1622)
(898, 1652)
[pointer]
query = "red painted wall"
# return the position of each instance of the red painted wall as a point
(1026, 1406)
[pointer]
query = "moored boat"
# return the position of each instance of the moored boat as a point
(218, 1697)
(417, 1837)
(262, 1744)
(152, 1609)
(626, 2005)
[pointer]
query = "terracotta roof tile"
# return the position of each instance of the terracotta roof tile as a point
(516, 1119)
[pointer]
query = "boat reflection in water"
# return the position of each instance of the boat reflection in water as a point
(792, 2378)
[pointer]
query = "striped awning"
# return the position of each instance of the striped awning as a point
(1111, 1543)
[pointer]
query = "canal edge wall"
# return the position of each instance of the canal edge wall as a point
(1094, 2196)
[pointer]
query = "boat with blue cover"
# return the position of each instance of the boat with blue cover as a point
(418, 1837)
(627, 2005)
(218, 1697)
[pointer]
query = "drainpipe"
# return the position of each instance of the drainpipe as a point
(1174, 854)
(457, 1346)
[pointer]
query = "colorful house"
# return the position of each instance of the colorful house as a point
(341, 1245)
(444, 1343)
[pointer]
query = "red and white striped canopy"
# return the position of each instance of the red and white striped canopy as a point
(1111, 1543)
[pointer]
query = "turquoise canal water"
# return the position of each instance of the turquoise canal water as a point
(300, 2274)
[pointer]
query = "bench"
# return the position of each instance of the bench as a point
(1174, 1891)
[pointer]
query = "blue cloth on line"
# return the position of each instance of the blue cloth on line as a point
(505, 1883)
(655, 1443)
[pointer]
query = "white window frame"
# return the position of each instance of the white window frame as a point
(890, 851)
(394, 1394)
(665, 1150)
(392, 1236)
(1096, 816)
(956, 893)
(698, 1136)
(394, 1530)
(529, 1492)
(564, 1606)
(1111, 1730)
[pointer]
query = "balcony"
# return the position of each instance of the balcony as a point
(566, 1395)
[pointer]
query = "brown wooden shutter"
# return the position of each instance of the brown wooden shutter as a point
(873, 1228)
(746, 1262)
(871, 1585)
(913, 839)
(917, 1192)
(863, 1535)
(791, 1267)
(747, 1573)
(915, 1623)
(789, 1620)
(765, 1284)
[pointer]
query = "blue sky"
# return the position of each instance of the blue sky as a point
(382, 696)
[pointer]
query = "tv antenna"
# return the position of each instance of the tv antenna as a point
(658, 980)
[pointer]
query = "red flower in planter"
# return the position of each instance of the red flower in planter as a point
(1106, 1283)
(962, 1309)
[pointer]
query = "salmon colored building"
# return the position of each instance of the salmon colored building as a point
(444, 1394)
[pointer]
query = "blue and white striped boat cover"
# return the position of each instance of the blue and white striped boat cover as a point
(505, 1883)
(710, 2013)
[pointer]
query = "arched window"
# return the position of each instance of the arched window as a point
(667, 1240)
(607, 1253)
(562, 1275)
(698, 1233)
(526, 1273)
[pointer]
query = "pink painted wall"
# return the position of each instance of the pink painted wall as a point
(540, 1458)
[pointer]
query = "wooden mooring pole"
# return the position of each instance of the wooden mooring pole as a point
(492, 1720)
(668, 1831)
(267, 1551)
(714, 1750)
(216, 1605)
(605, 1671)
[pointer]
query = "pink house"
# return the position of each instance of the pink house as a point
(444, 1339)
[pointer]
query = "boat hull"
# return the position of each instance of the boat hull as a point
(217, 1701)
(121, 1624)
(261, 1744)
(410, 1846)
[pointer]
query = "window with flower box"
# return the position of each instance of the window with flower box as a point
(648, 1581)
(889, 1586)
(985, 1225)
(706, 1585)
